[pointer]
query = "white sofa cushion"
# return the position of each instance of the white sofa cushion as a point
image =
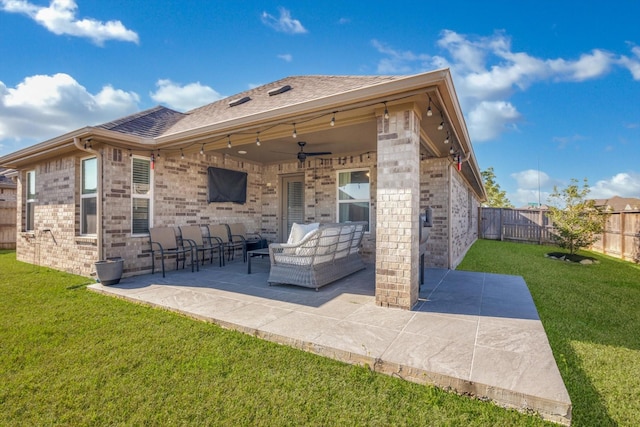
(299, 231)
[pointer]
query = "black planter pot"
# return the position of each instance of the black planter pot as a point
(109, 271)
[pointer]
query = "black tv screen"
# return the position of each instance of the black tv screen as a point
(225, 185)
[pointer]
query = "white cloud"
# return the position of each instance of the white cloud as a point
(284, 24)
(490, 118)
(60, 18)
(184, 98)
(589, 66)
(399, 62)
(533, 186)
(287, 57)
(44, 106)
(532, 179)
(523, 197)
(487, 72)
(632, 64)
(622, 184)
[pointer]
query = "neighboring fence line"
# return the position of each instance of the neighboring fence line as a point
(621, 238)
(8, 224)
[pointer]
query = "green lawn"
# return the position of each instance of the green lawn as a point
(73, 357)
(592, 317)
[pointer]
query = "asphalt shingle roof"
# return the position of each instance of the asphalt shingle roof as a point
(303, 88)
(147, 124)
(160, 120)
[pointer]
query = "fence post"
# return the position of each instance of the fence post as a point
(623, 233)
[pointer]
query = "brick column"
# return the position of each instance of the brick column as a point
(398, 205)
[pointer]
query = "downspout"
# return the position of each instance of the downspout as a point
(98, 154)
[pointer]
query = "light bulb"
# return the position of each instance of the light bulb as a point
(429, 112)
(441, 126)
(202, 150)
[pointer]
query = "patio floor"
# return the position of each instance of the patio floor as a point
(473, 333)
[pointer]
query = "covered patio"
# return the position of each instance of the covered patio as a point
(476, 334)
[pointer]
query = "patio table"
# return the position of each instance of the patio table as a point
(257, 252)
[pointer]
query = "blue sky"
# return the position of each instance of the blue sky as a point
(550, 90)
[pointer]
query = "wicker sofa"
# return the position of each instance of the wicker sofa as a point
(322, 256)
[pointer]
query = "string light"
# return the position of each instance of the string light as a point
(202, 150)
(295, 134)
(181, 154)
(228, 141)
(386, 112)
(158, 153)
(446, 140)
(429, 112)
(258, 139)
(333, 119)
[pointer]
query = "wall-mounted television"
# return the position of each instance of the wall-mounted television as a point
(225, 185)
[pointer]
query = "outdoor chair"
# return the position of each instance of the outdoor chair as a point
(202, 245)
(165, 242)
(220, 233)
(240, 239)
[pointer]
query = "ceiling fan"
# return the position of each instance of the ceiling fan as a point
(302, 155)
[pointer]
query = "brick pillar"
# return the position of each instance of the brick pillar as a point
(397, 211)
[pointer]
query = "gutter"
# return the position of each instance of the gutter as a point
(82, 147)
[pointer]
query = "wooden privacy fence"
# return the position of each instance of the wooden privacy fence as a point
(8, 224)
(621, 238)
(522, 225)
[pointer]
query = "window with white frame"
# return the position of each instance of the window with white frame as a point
(31, 200)
(354, 196)
(89, 196)
(141, 195)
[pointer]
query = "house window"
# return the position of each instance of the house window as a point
(141, 195)
(31, 200)
(88, 196)
(354, 196)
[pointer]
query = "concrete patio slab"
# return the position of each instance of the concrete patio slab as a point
(473, 333)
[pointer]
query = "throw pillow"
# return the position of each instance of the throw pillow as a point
(299, 231)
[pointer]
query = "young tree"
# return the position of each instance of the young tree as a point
(575, 218)
(495, 197)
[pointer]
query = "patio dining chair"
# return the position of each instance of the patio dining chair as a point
(219, 233)
(165, 242)
(240, 239)
(202, 245)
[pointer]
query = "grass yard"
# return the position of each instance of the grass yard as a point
(591, 314)
(73, 357)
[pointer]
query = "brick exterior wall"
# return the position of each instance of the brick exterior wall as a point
(435, 193)
(180, 193)
(464, 218)
(55, 240)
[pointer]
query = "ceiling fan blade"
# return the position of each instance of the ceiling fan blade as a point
(318, 153)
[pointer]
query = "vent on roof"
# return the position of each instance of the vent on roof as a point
(239, 101)
(279, 90)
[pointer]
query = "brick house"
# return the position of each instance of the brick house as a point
(391, 146)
